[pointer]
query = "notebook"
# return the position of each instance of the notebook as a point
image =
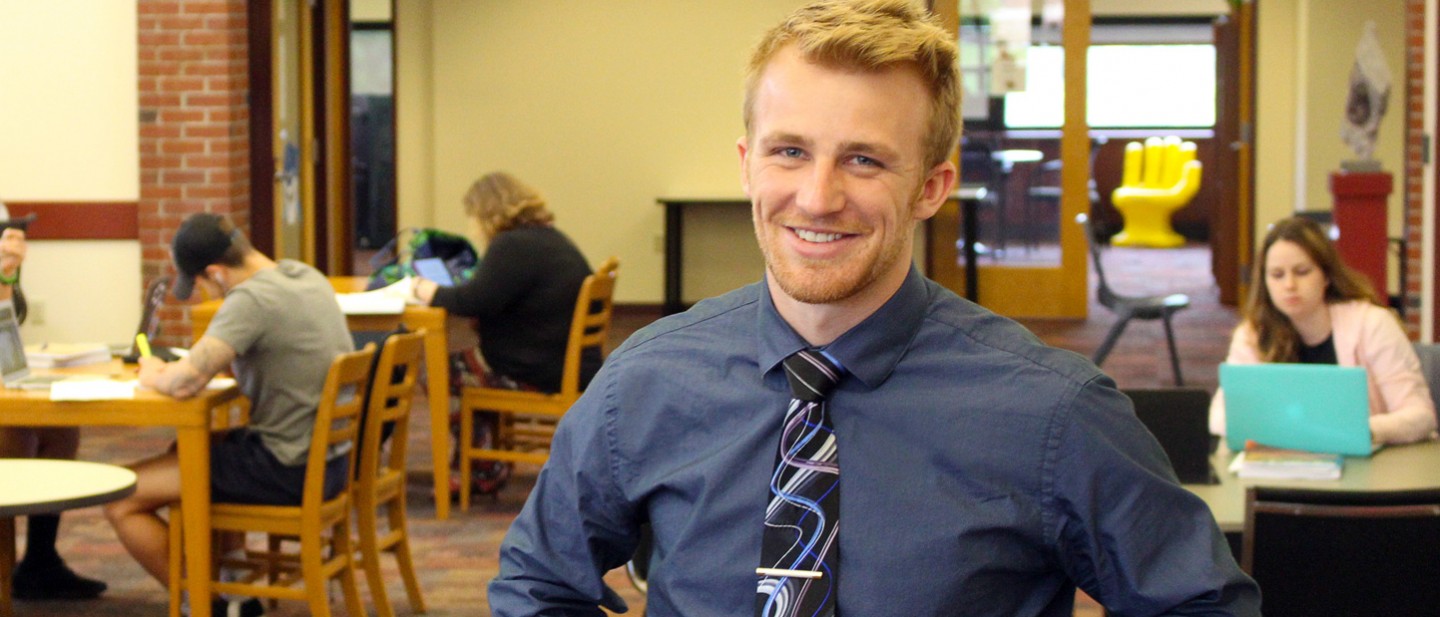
(1179, 420)
(16, 372)
(1312, 407)
(150, 323)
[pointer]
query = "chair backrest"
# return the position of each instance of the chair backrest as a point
(392, 390)
(1104, 293)
(337, 421)
(590, 325)
(1179, 420)
(1327, 552)
(1430, 365)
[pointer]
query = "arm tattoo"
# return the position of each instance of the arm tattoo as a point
(184, 378)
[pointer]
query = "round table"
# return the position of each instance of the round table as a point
(38, 486)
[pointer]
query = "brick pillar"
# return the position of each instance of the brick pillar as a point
(1413, 190)
(194, 128)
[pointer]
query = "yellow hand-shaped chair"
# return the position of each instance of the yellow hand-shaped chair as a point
(1149, 193)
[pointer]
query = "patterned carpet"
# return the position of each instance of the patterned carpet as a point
(457, 559)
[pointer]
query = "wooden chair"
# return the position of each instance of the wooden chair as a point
(527, 419)
(318, 523)
(381, 478)
(1318, 552)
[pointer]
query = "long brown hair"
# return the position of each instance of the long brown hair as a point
(1274, 334)
(500, 201)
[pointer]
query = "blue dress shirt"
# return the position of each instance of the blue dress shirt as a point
(982, 472)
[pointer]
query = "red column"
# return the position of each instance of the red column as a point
(1360, 214)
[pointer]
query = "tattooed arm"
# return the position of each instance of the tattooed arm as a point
(188, 375)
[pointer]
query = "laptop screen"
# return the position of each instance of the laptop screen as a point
(1313, 407)
(12, 351)
(150, 312)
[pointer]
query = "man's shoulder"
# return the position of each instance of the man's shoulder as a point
(977, 329)
(722, 318)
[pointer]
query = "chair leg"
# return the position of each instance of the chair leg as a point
(1114, 334)
(348, 585)
(312, 573)
(1174, 356)
(463, 445)
(370, 558)
(402, 552)
(7, 562)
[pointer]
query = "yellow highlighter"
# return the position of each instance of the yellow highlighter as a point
(143, 344)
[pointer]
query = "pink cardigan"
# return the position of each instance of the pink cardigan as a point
(1368, 336)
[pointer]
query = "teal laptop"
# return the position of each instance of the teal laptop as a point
(1313, 407)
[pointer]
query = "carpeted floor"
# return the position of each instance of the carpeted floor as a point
(457, 557)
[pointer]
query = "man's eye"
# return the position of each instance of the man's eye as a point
(861, 159)
(790, 152)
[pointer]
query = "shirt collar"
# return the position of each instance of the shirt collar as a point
(869, 351)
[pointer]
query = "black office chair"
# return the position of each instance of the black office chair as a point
(1318, 552)
(1179, 418)
(1132, 307)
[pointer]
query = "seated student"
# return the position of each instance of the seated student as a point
(279, 328)
(42, 574)
(523, 292)
(1314, 309)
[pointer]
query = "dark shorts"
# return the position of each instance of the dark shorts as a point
(243, 470)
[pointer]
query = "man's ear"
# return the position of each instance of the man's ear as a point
(939, 183)
(743, 146)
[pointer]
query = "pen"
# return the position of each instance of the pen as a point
(143, 344)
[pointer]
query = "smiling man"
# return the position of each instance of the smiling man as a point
(846, 436)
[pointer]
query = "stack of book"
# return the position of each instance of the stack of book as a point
(57, 355)
(1261, 461)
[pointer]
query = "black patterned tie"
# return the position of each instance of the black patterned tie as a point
(800, 550)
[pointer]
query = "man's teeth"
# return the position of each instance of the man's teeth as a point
(815, 236)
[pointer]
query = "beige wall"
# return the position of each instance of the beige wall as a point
(1306, 49)
(69, 131)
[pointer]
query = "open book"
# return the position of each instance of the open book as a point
(1261, 461)
(55, 355)
(388, 300)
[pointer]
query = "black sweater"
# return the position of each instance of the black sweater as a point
(523, 295)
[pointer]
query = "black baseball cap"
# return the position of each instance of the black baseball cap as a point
(202, 239)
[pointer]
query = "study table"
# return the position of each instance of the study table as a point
(437, 369)
(191, 419)
(42, 486)
(1393, 468)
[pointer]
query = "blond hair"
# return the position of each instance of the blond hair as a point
(871, 36)
(500, 201)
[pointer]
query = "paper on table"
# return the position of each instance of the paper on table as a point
(388, 300)
(83, 389)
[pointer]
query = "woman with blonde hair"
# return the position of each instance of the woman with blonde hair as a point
(1313, 309)
(521, 297)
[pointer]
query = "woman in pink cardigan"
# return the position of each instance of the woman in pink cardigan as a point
(1314, 309)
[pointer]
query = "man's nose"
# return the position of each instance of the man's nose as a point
(822, 191)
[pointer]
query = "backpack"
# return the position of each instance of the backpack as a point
(392, 263)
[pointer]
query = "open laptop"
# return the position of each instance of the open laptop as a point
(15, 370)
(150, 323)
(434, 268)
(1312, 407)
(1179, 420)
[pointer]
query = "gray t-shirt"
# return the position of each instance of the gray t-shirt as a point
(286, 330)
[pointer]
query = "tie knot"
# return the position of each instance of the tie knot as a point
(811, 375)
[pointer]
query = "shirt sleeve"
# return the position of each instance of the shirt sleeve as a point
(1390, 360)
(1127, 532)
(239, 322)
(502, 276)
(574, 527)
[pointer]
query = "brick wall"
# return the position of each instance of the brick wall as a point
(1412, 98)
(194, 128)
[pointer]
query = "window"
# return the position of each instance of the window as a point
(1128, 86)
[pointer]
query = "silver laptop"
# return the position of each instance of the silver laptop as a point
(12, 355)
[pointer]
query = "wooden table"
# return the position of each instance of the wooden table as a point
(1393, 468)
(191, 419)
(437, 370)
(41, 486)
